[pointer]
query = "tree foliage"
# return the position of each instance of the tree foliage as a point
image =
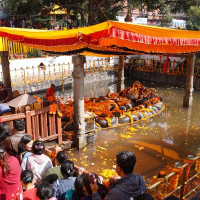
(87, 12)
(193, 20)
(24, 7)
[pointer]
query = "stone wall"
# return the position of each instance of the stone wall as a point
(160, 78)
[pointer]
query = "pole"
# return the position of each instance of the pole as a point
(79, 138)
(187, 101)
(120, 82)
(6, 72)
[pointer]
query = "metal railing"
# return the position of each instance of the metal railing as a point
(183, 179)
(155, 65)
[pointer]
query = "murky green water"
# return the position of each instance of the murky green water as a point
(158, 142)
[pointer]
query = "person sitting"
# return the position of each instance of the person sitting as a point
(45, 192)
(4, 109)
(9, 175)
(11, 143)
(50, 94)
(129, 185)
(3, 93)
(54, 173)
(38, 162)
(4, 131)
(28, 184)
(64, 188)
(24, 147)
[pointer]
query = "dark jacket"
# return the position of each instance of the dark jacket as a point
(131, 185)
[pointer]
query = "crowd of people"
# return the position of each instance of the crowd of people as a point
(27, 173)
(19, 23)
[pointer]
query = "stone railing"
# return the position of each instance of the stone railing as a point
(42, 73)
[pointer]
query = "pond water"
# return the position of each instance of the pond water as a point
(158, 142)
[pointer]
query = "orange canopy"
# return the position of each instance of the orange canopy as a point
(108, 38)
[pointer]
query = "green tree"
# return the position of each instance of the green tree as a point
(25, 7)
(193, 18)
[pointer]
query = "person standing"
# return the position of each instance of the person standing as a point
(52, 174)
(38, 162)
(11, 143)
(129, 185)
(9, 175)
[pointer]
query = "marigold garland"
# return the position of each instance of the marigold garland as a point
(173, 183)
(197, 164)
(191, 162)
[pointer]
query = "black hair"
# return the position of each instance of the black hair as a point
(78, 185)
(145, 196)
(172, 198)
(19, 124)
(26, 176)
(126, 161)
(44, 191)
(5, 131)
(67, 168)
(86, 183)
(38, 147)
(1, 83)
(24, 140)
(61, 156)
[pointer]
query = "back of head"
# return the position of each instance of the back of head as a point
(61, 156)
(145, 196)
(38, 147)
(172, 198)
(4, 161)
(86, 183)
(4, 131)
(126, 161)
(67, 168)
(79, 185)
(45, 191)
(19, 124)
(26, 176)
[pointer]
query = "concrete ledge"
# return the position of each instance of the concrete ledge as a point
(68, 82)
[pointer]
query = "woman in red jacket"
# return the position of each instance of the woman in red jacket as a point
(9, 175)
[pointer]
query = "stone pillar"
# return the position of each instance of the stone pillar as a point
(6, 72)
(187, 100)
(79, 138)
(120, 81)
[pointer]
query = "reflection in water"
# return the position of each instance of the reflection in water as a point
(157, 142)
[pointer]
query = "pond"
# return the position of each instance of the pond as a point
(158, 142)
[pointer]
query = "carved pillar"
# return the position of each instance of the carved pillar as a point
(120, 81)
(187, 100)
(6, 72)
(79, 122)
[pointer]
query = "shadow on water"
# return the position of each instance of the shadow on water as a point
(158, 142)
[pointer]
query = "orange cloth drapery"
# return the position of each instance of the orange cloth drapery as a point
(107, 38)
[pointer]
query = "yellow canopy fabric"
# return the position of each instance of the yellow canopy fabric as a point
(108, 38)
